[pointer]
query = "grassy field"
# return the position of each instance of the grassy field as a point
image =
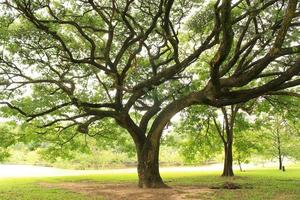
(260, 184)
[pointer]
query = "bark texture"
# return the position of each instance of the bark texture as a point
(148, 166)
(228, 161)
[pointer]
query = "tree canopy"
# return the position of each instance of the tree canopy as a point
(71, 65)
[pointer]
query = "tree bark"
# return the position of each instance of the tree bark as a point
(240, 165)
(148, 166)
(279, 148)
(227, 170)
(280, 162)
(147, 149)
(229, 120)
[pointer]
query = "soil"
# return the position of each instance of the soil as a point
(129, 191)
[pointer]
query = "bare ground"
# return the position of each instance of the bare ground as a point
(129, 191)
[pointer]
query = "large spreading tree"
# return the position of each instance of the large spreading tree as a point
(71, 65)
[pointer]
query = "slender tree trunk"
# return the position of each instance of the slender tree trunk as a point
(240, 165)
(280, 162)
(229, 120)
(227, 170)
(148, 167)
(279, 148)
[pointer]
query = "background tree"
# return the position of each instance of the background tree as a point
(226, 131)
(9, 135)
(280, 134)
(196, 135)
(248, 136)
(247, 144)
(203, 131)
(69, 65)
(238, 134)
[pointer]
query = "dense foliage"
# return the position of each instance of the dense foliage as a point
(83, 66)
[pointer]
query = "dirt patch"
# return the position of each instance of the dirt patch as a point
(231, 186)
(129, 191)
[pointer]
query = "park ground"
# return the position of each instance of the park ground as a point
(254, 184)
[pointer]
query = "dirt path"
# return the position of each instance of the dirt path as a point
(128, 191)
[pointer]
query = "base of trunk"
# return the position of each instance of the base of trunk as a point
(149, 176)
(280, 166)
(228, 172)
(152, 183)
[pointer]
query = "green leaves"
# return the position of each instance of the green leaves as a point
(197, 136)
(202, 21)
(9, 135)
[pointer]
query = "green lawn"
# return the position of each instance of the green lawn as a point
(257, 184)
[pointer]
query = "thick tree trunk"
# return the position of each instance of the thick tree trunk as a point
(227, 170)
(148, 167)
(147, 149)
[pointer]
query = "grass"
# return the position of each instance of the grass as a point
(260, 184)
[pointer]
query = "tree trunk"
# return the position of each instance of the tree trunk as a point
(229, 120)
(240, 165)
(148, 167)
(147, 149)
(280, 162)
(227, 170)
(279, 148)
